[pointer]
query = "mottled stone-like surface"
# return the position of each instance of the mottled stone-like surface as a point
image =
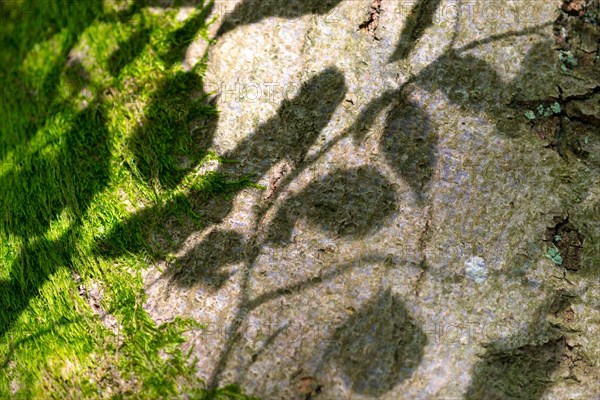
(399, 248)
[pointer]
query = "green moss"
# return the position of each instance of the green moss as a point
(96, 119)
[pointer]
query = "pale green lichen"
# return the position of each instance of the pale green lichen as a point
(567, 60)
(476, 269)
(554, 255)
(544, 111)
(530, 115)
(541, 111)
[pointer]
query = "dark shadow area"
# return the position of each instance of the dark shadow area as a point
(129, 50)
(365, 120)
(25, 24)
(178, 127)
(152, 229)
(29, 22)
(75, 75)
(409, 144)
(409, 140)
(467, 82)
(252, 11)
(145, 230)
(38, 262)
(296, 126)
(203, 263)
(420, 17)
(346, 202)
(517, 368)
(42, 189)
(184, 36)
(50, 180)
(536, 66)
(521, 373)
(378, 347)
(165, 132)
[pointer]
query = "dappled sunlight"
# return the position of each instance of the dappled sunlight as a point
(317, 206)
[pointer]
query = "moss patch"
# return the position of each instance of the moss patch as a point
(97, 127)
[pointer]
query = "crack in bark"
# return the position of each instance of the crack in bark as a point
(560, 142)
(372, 23)
(423, 238)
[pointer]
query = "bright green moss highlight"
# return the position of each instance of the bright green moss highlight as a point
(95, 113)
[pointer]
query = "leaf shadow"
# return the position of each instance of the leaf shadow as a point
(178, 127)
(129, 50)
(182, 38)
(287, 135)
(520, 367)
(520, 373)
(71, 177)
(346, 202)
(467, 81)
(36, 23)
(295, 127)
(409, 139)
(378, 347)
(252, 11)
(409, 144)
(420, 17)
(204, 263)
